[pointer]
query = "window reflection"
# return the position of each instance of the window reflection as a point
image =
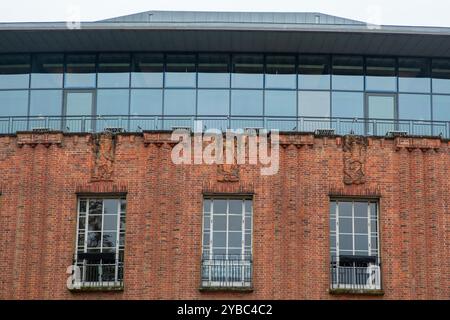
(314, 104)
(80, 71)
(13, 103)
(146, 102)
(280, 72)
(180, 71)
(414, 107)
(280, 103)
(441, 108)
(14, 71)
(112, 102)
(46, 102)
(114, 70)
(314, 72)
(147, 71)
(213, 71)
(213, 102)
(247, 102)
(381, 74)
(440, 70)
(348, 73)
(179, 102)
(248, 71)
(414, 75)
(348, 104)
(47, 71)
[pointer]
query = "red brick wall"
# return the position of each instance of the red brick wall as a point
(40, 177)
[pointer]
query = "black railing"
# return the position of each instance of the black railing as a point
(341, 126)
(102, 271)
(231, 271)
(355, 273)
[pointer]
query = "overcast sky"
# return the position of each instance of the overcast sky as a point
(391, 12)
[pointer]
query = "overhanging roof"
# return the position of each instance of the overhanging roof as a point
(225, 32)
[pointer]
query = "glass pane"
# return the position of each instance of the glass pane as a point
(46, 103)
(147, 71)
(314, 72)
(345, 209)
(332, 225)
(80, 71)
(213, 71)
(82, 223)
(348, 104)
(414, 75)
(361, 225)
(81, 238)
(180, 71)
(381, 107)
(235, 223)
(219, 223)
(332, 243)
(94, 239)
(179, 102)
(13, 103)
(146, 102)
(79, 103)
(248, 240)
(361, 243)
(374, 243)
(381, 74)
(247, 71)
(111, 206)
(213, 102)
(47, 71)
(206, 238)
(14, 71)
(414, 107)
(280, 72)
(314, 104)
(207, 206)
(220, 206)
(441, 108)
(345, 225)
(247, 102)
(123, 205)
(281, 103)
(109, 239)
(333, 208)
(114, 70)
(95, 223)
(219, 239)
(440, 70)
(248, 206)
(206, 223)
(83, 206)
(235, 206)
(345, 242)
(361, 209)
(122, 223)
(95, 207)
(373, 226)
(348, 73)
(234, 239)
(112, 102)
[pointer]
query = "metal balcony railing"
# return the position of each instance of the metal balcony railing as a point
(227, 271)
(355, 273)
(103, 271)
(341, 126)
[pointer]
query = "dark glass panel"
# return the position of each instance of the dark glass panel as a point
(361, 225)
(248, 71)
(95, 207)
(14, 71)
(219, 222)
(220, 206)
(147, 71)
(95, 223)
(348, 72)
(414, 75)
(440, 70)
(180, 71)
(345, 242)
(109, 239)
(280, 72)
(234, 239)
(235, 206)
(219, 239)
(345, 225)
(345, 209)
(114, 70)
(361, 243)
(213, 71)
(47, 71)
(235, 223)
(314, 72)
(80, 71)
(361, 209)
(381, 74)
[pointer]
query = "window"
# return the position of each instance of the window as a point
(314, 72)
(13, 103)
(80, 71)
(213, 71)
(348, 105)
(14, 71)
(441, 112)
(180, 71)
(355, 262)
(227, 242)
(414, 75)
(246, 103)
(314, 104)
(280, 72)
(281, 103)
(112, 102)
(179, 102)
(415, 107)
(146, 102)
(348, 73)
(46, 103)
(47, 71)
(248, 71)
(101, 241)
(381, 74)
(114, 70)
(213, 102)
(440, 69)
(147, 71)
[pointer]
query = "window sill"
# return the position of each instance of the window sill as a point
(226, 289)
(362, 292)
(98, 289)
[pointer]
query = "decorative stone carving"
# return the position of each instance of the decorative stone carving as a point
(354, 148)
(229, 172)
(45, 138)
(104, 153)
(423, 144)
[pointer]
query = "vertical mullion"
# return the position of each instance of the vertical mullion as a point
(369, 229)
(116, 262)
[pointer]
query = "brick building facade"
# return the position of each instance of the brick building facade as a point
(44, 175)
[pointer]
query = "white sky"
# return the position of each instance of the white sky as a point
(391, 12)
